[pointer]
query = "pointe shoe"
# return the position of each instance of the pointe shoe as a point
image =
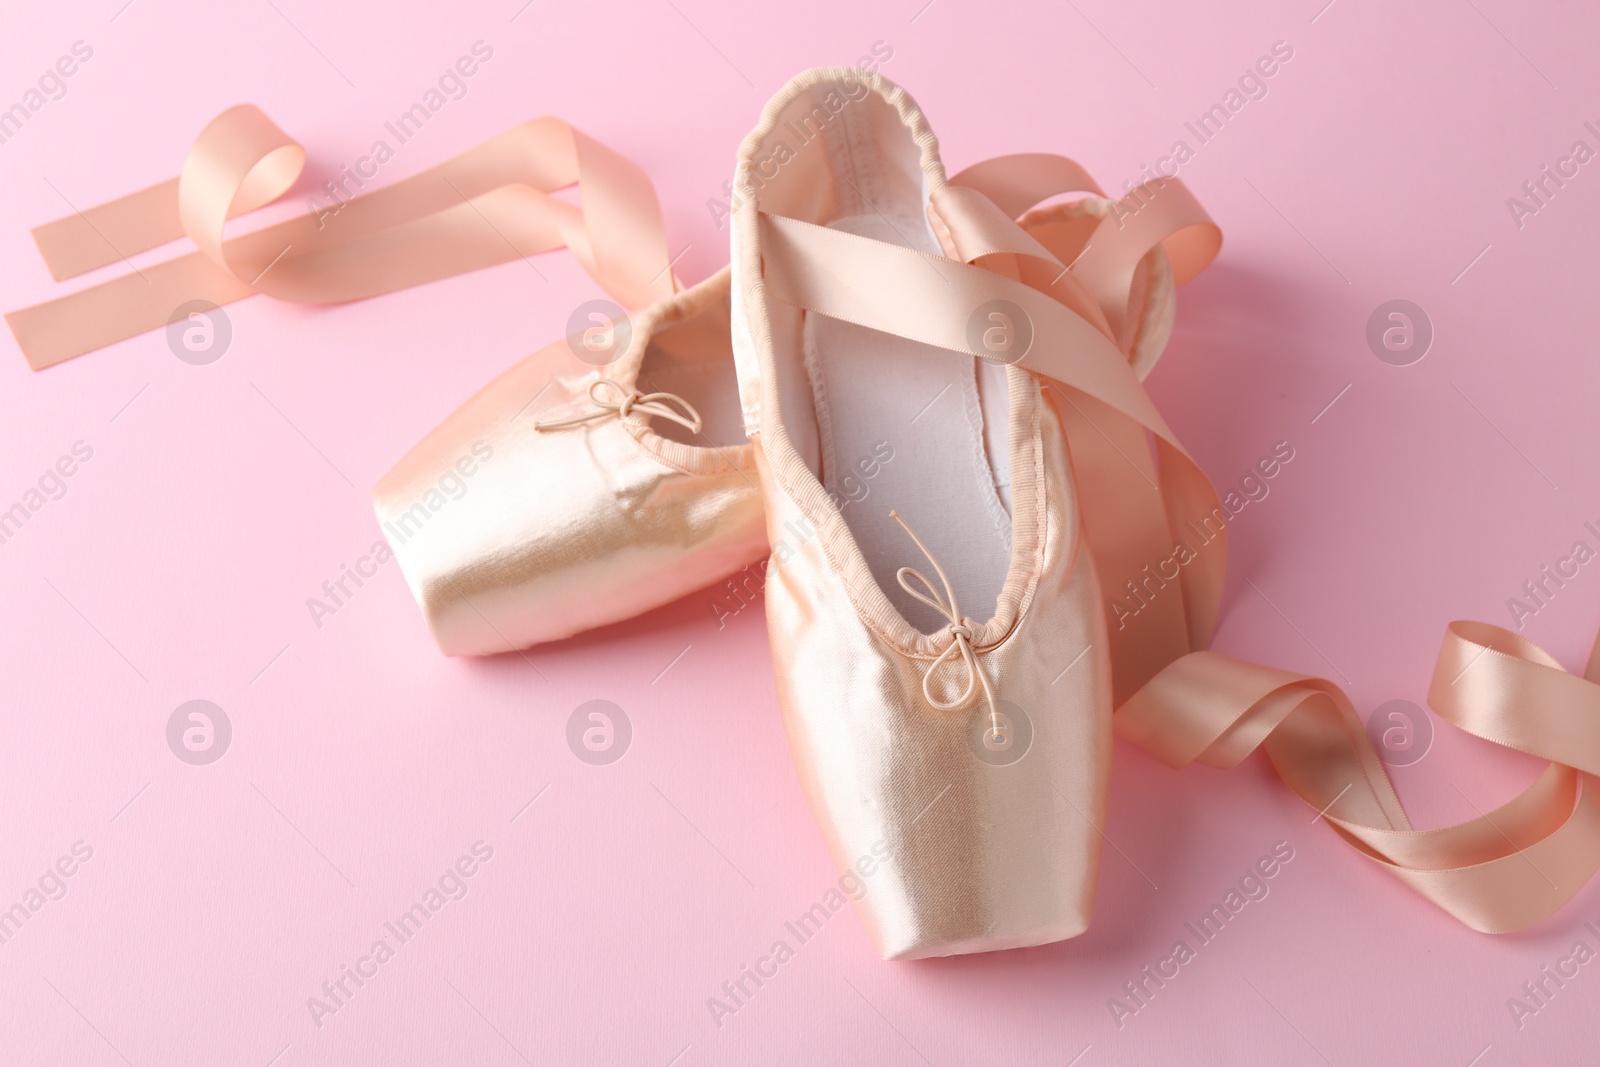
(958, 767)
(578, 489)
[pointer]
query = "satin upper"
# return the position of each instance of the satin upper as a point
(971, 849)
(510, 535)
(981, 851)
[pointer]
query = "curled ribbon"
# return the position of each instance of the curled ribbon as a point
(1503, 871)
(487, 206)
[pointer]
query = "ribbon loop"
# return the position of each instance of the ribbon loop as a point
(489, 205)
(240, 161)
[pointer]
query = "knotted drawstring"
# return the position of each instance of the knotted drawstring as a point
(632, 400)
(960, 633)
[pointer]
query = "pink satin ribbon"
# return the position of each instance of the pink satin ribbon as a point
(1504, 871)
(489, 205)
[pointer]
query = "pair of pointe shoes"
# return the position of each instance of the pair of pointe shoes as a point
(886, 339)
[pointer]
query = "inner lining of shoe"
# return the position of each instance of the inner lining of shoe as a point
(693, 358)
(898, 425)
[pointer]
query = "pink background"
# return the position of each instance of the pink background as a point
(178, 564)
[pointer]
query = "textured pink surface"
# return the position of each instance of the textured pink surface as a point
(218, 499)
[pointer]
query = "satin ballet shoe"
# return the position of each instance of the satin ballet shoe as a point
(893, 332)
(578, 490)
